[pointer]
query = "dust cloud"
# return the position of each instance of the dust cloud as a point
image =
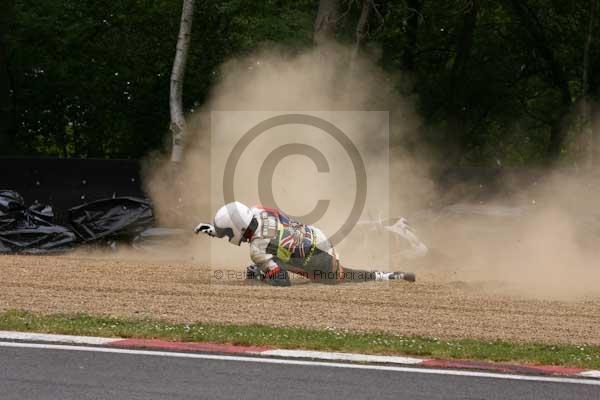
(323, 82)
(539, 241)
(544, 247)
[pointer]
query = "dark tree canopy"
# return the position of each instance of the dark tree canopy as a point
(496, 80)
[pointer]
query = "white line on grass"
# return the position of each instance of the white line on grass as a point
(46, 337)
(580, 381)
(325, 355)
(590, 374)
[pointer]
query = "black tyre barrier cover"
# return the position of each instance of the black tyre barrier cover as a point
(30, 230)
(33, 230)
(121, 218)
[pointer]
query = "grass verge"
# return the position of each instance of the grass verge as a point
(298, 338)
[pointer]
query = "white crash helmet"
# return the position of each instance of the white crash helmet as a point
(233, 220)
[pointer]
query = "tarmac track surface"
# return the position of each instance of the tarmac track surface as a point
(41, 373)
(435, 306)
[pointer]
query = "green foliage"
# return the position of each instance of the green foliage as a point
(506, 97)
(91, 78)
(582, 355)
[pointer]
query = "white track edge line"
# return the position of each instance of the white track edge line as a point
(321, 355)
(317, 355)
(580, 381)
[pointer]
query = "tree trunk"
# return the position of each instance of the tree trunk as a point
(537, 39)
(326, 21)
(415, 7)
(557, 135)
(457, 118)
(594, 129)
(464, 44)
(587, 109)
(361, 27)
(7, 122)
(177, 76)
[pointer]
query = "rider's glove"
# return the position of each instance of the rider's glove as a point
(205, 228)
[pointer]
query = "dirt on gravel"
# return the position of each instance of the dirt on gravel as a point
(438, 305)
